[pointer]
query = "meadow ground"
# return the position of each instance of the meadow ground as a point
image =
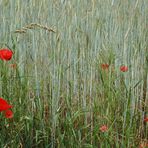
(78, 77)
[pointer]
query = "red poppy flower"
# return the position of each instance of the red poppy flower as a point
(8, 114)
(6, 54)
(123, 68)
(146, 119)
(4, 105)
(105, 66)
(103, 128)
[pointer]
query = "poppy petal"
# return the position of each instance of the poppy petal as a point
(8, 114)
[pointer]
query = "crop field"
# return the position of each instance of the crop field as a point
(73, 73)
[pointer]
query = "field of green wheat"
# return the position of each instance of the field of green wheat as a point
(78, 76)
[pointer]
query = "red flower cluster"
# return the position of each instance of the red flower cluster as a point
(6, 54)
(5, 107)
(123, 68)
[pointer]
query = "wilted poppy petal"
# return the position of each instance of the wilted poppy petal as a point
(146, 119)
(13, 66)
(143, 145)
(105, 66)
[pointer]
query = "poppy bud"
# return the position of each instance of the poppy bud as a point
(123, 68)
